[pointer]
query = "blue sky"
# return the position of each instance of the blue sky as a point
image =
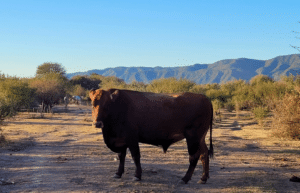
(85, 35)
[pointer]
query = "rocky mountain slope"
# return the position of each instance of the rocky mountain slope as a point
(221, 71)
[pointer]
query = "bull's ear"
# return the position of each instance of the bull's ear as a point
(92, 93)
(114, 95)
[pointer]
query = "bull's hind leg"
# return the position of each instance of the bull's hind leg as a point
(194, 152)
(205, 162)
(135, 153)
(120, 171)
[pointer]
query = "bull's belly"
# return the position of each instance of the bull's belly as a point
(164, 141)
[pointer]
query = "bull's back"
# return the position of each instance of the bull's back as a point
(165, 115)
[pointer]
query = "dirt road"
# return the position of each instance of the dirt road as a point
(63, 153)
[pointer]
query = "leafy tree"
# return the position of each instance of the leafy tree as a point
(259, 79)
(49, 67)
(50, 89)
(86, 82)
(79, 90)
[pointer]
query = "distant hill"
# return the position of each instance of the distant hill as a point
(221, 71)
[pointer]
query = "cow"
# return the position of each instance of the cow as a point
(128, 117)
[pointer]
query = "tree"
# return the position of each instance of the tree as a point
(49, 67)
(50, 89)
(79, 90)
(260, 79)
(86, 82)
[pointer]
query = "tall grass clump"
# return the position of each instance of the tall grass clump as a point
(286, 120)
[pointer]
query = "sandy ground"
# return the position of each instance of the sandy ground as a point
(63, 153)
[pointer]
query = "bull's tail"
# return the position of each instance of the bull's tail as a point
(211, 148)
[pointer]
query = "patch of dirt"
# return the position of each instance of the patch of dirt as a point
(63, 153)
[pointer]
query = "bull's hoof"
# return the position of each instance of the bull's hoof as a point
(136, 179)
(181, 182)
(202, 181)
(116, 176)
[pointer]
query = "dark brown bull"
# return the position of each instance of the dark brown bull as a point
(129, 117)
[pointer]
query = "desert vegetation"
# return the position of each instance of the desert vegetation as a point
(256, 136)
(262, 95)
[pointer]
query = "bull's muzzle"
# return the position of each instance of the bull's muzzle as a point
(98, 124)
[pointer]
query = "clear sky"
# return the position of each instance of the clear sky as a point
(86, 35)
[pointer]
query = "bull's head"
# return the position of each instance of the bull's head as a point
(101, 99)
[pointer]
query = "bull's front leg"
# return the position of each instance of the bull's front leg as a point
(120, 171)
(135, 153)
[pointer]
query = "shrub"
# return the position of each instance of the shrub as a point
(230, 106)
(286, 120)
(14, 94)
(170, 85)
(78, 90)
(6, 110)
(198, 88)
(216, 107)
(258, 79)
(112, 82)
(137, 86)
(2, 140)
(260, 113)
(241, 96)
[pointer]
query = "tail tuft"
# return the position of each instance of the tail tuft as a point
(211, 151)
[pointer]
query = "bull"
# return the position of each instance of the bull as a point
(129, 117)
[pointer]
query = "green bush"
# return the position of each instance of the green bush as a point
(241, 96)
(170, 85)
(87, 82)
(78, 90)
(216, 105)
(198, 88)
(6, 110)
(260, 113)
(14, 95)
(112, 82)
(259, 79)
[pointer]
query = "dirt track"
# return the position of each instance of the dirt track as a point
(63, 153)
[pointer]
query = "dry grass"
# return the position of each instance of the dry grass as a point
(63, 153)
(286, 120)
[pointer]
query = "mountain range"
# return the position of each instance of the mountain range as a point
(221, 71)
